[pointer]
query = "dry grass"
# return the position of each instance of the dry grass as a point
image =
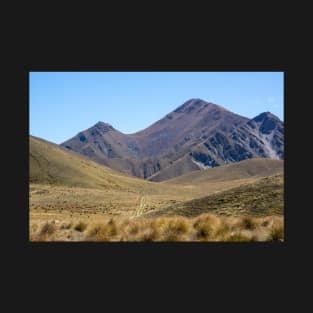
(206, 227)
(52, 165)
(75, 199)
(99, 201)
(65, 181)
(263, 197)
(256, 167)
(81, 226)
(45, 233)
(276, 232)
(48, 229)
(105, 231)
(248, 222)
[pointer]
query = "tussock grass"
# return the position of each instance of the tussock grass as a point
(276, 232)
(81, 226)
(206, 227)
(48, 228)
(174, 229)
(66, 226)
(103, 232)
(248, 222)
(45, 233)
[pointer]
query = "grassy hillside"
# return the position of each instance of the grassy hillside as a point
(63, 180)
(50, 164)
(256, 167)
(178, 168)
(261, 198)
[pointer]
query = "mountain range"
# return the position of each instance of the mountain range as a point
(65, 180)
(194, 137)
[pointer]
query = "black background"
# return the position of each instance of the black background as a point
(156, 276)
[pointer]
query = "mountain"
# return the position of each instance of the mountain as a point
(196, 136)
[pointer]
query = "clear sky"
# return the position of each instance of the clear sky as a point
(65, 103)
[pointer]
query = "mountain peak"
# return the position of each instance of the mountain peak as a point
(191, 104)
(266, 122)
(104, 126)
(264, 116)
(195, 100)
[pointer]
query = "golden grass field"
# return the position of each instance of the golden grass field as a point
(75, 199)
(205, 227)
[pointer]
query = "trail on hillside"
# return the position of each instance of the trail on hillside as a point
(141, 207)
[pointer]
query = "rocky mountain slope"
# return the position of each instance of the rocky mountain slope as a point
(196, 136)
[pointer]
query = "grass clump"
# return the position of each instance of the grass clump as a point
(103, 232)
(81, 226)
(206, 226)
(179, 225)
(276, 232)
(48, 229)
(171, 228)
(247, 222)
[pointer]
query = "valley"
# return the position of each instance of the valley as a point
(70, 189)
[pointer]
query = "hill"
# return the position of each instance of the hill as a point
(257, 167)
(64, 180)
(54, 165)
(261, 198)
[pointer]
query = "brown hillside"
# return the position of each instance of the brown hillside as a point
(261, 198)
(257, 167)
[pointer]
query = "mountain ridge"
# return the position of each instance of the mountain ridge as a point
(195, 136)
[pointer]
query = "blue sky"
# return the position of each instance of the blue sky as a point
(65, 103)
